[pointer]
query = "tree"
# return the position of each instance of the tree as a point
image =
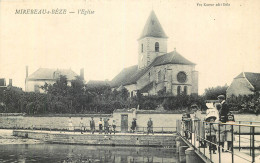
(213, 92)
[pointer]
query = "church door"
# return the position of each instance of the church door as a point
(124, 122)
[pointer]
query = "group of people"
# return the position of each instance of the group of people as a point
(105, 126)
(210, 130)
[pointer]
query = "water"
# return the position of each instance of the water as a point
(81, 153)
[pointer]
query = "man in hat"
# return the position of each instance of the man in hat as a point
(224, 109)
(150, 126)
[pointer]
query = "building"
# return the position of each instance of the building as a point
(157, 69)
(41, 76)
(3, 84)
(245, 83)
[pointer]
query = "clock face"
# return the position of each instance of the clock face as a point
(181, 77)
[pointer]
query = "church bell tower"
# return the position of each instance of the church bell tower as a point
(152, 42)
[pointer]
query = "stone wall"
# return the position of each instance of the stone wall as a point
(97, 139)
(167, 121)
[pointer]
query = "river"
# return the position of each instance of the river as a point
(13, 149)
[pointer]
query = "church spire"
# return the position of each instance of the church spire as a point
(153, 28)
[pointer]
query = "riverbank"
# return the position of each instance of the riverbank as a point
(6, 137)
(118, 139)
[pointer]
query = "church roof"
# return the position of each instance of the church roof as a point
(48, 74)
(171, 58)
(147, 87)
(168, 58)
(123, 76)
(153, 28)
(253, 78)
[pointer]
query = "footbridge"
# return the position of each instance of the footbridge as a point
(227, 142)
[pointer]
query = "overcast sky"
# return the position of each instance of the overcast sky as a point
(223, 41)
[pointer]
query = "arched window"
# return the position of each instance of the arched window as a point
(142, 48)
(178, 90)
(185, 90)
(157, 47)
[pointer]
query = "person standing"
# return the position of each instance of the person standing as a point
(70, 124)
(224, 109)
(230, 120)
(114, 126)
(92, 125)
(150, 126)
(106, 126)
(133, 127)
(220, 133)
(100, 126)
(198, 126)
(81, 125)
(211, 133)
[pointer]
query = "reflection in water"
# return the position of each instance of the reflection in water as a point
(80, 153)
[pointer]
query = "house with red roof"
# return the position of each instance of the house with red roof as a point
(157, 69)
(246, 83)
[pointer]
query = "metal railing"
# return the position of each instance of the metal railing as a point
(195, 131)
(87, 129)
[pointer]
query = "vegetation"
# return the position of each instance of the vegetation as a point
(213, 92)
(245, 104)
(78, 97)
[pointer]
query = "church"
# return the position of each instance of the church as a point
(158, 70)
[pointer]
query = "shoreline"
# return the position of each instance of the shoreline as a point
(6, 137)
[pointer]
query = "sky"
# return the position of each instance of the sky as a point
(222, 40)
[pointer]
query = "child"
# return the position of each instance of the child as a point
(100, 126)
(186, 121)
(230, 120)
(211, 133)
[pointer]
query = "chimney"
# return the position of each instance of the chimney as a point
(10, 82)
(26, 71)
(82, 73)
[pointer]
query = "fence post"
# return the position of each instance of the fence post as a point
(204, 142)
(239, 136)
(194, 133)
(253, 144)
(191, 128)
(232, 138)
(219, 154)
(250, 139)
(210, 146)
